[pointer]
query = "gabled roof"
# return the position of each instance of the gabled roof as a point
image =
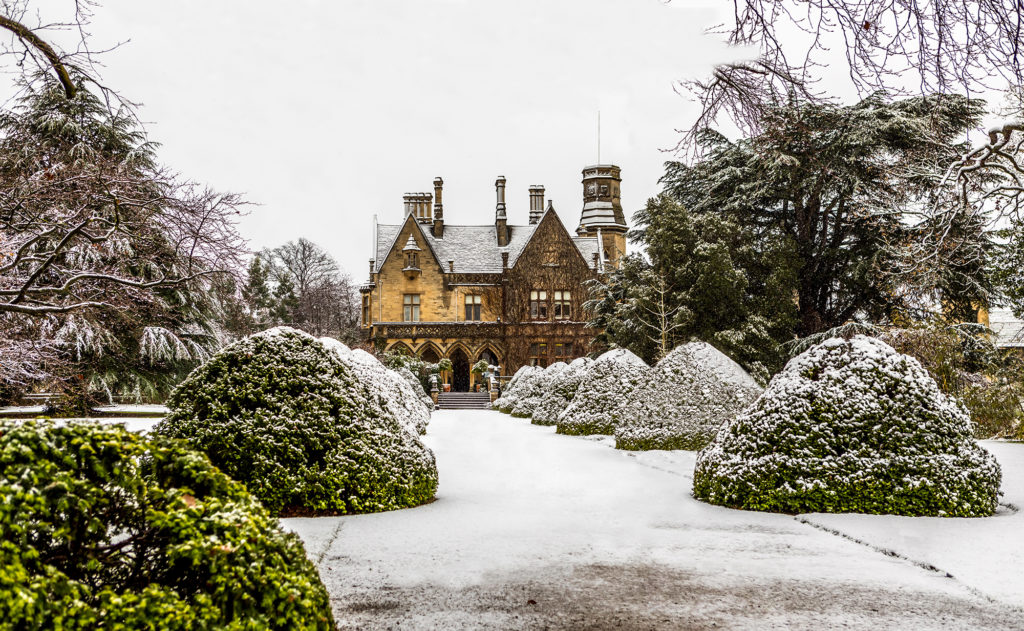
(473, 248)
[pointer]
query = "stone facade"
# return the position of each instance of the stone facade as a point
(510, 294)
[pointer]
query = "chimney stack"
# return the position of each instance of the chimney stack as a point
(438, 208)
(500, 218)
(536, 203)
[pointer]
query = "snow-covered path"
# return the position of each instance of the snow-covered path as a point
(535, 530)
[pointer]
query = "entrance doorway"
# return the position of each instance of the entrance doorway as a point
(460, 371)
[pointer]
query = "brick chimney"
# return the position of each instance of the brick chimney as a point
(500, 218)
(438, 208)
(536, 203)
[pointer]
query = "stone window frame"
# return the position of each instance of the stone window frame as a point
(562, 305)
(539, 354)
(410, 307)
(538, 304)
(474, 307)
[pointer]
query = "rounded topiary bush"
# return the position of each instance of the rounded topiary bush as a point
(532, 388)
(692, 392)
(559, 392)
(282, 413)
(101, 528)
(416, 385)
(392, 390)
(604, 397)
(510, 393)
(850, 426)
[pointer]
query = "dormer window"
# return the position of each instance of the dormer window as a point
(412, 258)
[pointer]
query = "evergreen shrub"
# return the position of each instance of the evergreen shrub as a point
(560, 392)
(692, 392)
(282, 413)
(604, 398)
(510, 393)
(102, 528)
(531, 389)
(851, 426)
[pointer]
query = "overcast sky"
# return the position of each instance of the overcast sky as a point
(325, 113)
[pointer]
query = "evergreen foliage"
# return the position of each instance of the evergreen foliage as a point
(850, 426)
(282, 413)
(840, 184)
(560, 392)
(102, 528)
(692, 392)
(708, 278)
(604, 398)
(532, 387)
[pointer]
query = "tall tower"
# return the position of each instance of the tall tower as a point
(602, 215)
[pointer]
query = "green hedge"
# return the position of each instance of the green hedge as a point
(851, 426)
(101, 528)
(283, 414)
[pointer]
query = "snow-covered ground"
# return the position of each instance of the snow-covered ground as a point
(536, 530)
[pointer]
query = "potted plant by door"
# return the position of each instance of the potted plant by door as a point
(445, 368)
(480, 369)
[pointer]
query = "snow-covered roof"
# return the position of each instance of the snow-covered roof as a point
(474, 249)
(1009, 329)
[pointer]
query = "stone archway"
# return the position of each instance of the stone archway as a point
(460, 371)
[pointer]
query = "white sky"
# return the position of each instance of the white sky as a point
(325, 113)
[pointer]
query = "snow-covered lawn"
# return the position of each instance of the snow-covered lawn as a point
(536, 530)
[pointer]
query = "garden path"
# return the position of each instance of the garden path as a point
(533, 530)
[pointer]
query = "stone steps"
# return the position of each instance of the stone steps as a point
(464, 401)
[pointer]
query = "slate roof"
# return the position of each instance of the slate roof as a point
(473, 248)
(1009, 330)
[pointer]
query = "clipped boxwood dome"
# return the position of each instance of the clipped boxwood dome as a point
(417, 386)
(101, 528)
(850, 426)
(603, 399)
(532, 388)
(510, 393)
(559, 392)
(282, 413)
(692, 392)
(391, 389)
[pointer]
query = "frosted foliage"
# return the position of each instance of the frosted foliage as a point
(559, 392)
(692, 392)
(533, 387)
(416, 385)
(509, 396)
(850, 426)
(604, 396)
(394, 392)
(303, 424)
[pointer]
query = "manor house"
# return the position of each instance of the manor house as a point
(511, 294)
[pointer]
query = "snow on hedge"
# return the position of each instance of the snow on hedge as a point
(416, 385)
(560, 391)
(509, 394)
(604, 397)
(692, 392)
(532, 388)
(284, 414)
(850, 426)
(394, 391)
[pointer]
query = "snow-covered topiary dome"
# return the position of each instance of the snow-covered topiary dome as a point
(532, 388)
(416, 385)
(693, 391)
(604, 397)
(560, 391)
(850, 426)
(509, 395)
(282, 413)
(393, 390)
